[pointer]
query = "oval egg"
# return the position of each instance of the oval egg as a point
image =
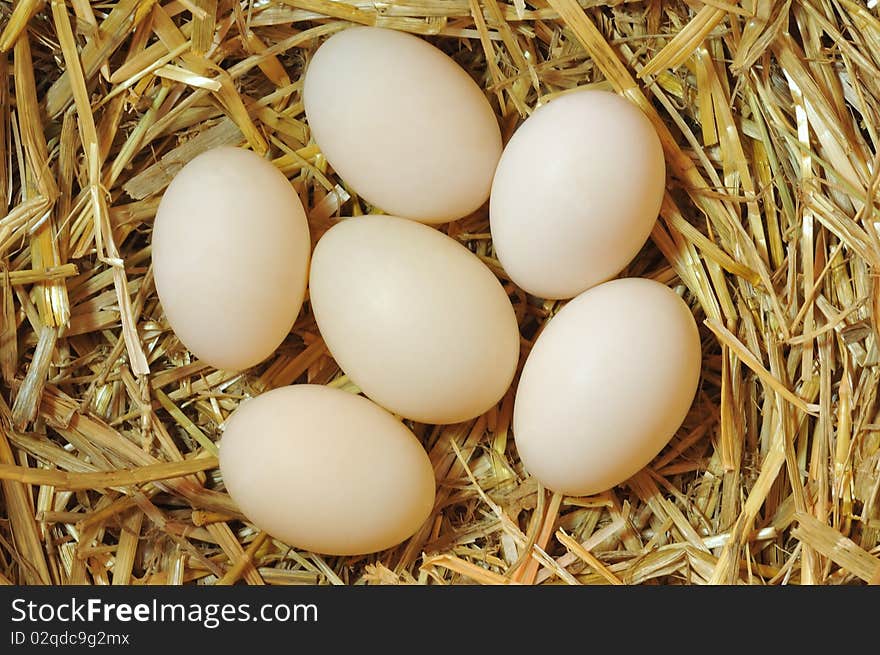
(402, 123)
(414, 318)
(326, 471)
(606, 385)
(230, 257)
(576, 193)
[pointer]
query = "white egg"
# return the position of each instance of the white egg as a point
(230, 257)
(326, 470)
(576, 193)
(606, 385)
(402, 123)
(414, 318)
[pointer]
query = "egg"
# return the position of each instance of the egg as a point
(414, 318)
(325, 470)
(230, 257)
(606, 385)
(576, 193)
(402, 124)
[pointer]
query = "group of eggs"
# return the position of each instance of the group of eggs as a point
(415, 319)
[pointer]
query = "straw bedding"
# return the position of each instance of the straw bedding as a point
(768, 112)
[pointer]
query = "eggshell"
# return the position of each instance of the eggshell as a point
(606, 385)
(402, 123)
(414, 318)
(325, 470)
(230, 257)
(576, 193)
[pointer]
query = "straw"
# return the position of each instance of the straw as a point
(768, 114)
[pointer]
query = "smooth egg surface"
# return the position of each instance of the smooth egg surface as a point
(606, 385)
(231, 257)
(326, 470)
(414, 318)
(576, 193)
(402, 123)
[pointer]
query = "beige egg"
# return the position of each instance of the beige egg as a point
(230, 257)
(606, 385)
(326, 471)
(414, 318)
(576, 193)
(402, 124)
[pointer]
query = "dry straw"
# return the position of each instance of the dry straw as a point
(768, 113)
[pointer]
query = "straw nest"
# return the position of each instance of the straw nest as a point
(768, 112)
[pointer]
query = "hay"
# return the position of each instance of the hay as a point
(768, 114)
